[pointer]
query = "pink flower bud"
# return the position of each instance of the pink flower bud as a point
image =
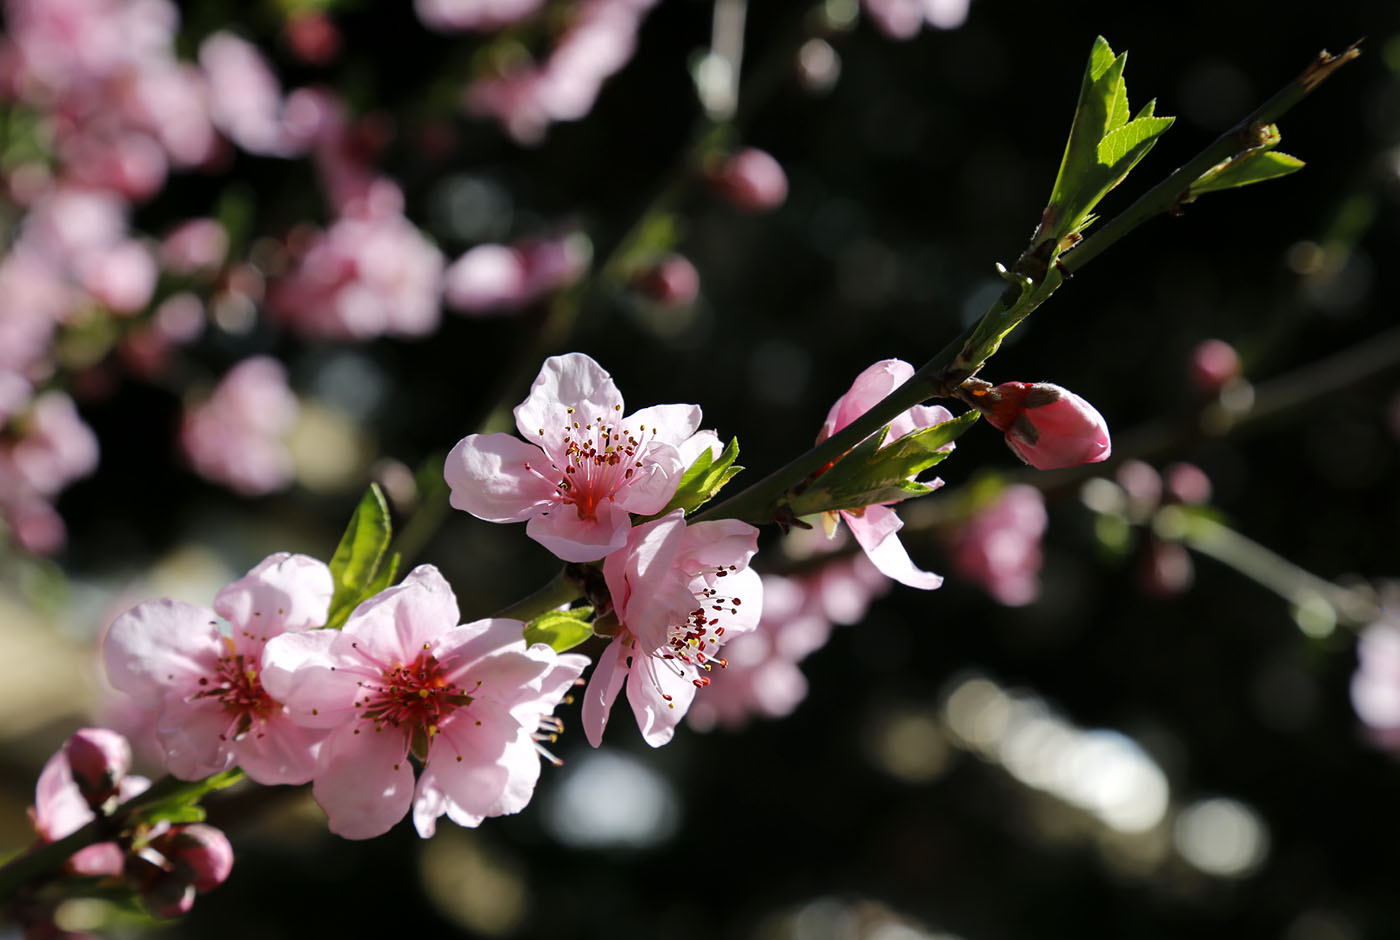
(98, 759)
(199, 853)
(1187, 483)
(673, 282)
(312, 37)
(1166, 569)
(752, 180)
(1213, 364)
(1047, 426)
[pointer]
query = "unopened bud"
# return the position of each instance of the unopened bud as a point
(1045, 425)
(98, 759)
(198, 853)
(673, 282)
(1214, 364)
(752, 180)
(1187, 483)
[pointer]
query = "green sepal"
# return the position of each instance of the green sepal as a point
(703, 479)
(869, 474)
(355, 566)
(560, 629)
(1252, 166)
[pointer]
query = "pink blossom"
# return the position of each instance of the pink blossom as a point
(60, 808)
(312, 36)
(671, 282)
(1045, 425)
(493, 278)
(194, 245)
(214, 711)
(56, 447)
(479, 15)
(876, 527)
(198, 853)
(121, 277)
(1187, 483)
(1375, 686)
(598, 43)
(679, 593)
(582, 468)
(237, 436)
(98, 759)
(752, 180)
(365, 276)
(1214, 364)
(999, 547)
(403, 678)
(902, 19)
(245, 96)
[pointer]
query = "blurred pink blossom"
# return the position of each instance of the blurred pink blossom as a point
(671, 282)
(1214, 364)
(237, 436)
(312, 36)
(1375, 686)
(367, 275)
(55, 448)
(751, 179)
(479, 15)
(902, 19)
(121, 276)
(497, 278)
(598, 42)
(999, 547)
(245, 98)
(194, 245)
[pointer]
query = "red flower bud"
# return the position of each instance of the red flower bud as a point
(673, 282)
(752, 180)
(1047, 426)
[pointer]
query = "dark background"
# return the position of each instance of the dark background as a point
(928, 162)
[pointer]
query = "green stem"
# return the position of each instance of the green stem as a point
(1296, 585)
(1168, 195)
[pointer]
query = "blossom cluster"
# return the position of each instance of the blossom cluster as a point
(165, 864)
(255, 683)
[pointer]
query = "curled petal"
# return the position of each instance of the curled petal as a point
(660, 695)
(603, 687)
(284, 592)
(876, 530)
(572, 538)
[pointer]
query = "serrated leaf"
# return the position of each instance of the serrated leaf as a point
(1118, 105)
(704, 478)
(1147, 111)
(1102, 84)
(357, 557)
(1129, 140)
(561, 629)
(1254, 166)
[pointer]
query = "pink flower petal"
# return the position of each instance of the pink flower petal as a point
(490, 476)
(603, 686)
(160, 645)
(660, 698)
(875, 531)
(284, 592)
(569, 388)
(366, 783)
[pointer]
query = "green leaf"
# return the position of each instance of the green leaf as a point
(703, 479)
(1253, 166)
(869, 474)
(561, 629)
(1127, 142)
(356, 560)
(183, 805)
(1104, 144)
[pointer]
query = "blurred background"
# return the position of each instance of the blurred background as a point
(1103, 724)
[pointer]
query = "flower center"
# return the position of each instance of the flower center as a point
(238, 689)
(415, 697)
(598, 459)
(696, 640)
